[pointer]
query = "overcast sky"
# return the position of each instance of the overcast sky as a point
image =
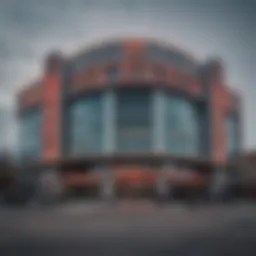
(29, 29)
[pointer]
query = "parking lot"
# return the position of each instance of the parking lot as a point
(129, 228)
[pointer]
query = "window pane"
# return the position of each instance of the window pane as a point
(134, 121)
(182, 126)
(86, 128)
(30, 135)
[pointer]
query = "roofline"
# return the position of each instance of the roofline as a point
(120, 40)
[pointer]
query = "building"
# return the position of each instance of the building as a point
(130, 113)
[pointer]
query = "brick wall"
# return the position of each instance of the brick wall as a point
(51, 111)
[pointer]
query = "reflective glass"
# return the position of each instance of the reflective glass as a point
(134, 127)
(182, 126)
(86, 128)
(30, 134)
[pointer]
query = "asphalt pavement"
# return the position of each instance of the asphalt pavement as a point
(129, 228)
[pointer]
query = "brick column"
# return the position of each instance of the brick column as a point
(216, 99)
(52, 108)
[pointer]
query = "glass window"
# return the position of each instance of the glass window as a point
(134, 121)
(182, 126)
(86, 125)
(30, 135)
(231, 135)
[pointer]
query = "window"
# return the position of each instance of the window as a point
(30, 135)
(231, 134)
(86, 125)
(182, 126)
(134, 121)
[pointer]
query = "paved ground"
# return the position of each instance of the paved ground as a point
(129, 229)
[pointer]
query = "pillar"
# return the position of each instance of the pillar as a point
(158, 121)
(52, 108)
(109, 122)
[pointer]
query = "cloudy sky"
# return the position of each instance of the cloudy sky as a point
(29, 29)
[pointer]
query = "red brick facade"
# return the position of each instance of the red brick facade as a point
(51, 111)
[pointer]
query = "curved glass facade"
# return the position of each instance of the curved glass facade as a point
(129, 121)
(134, 121)
(182, 126)
(30, 135)
(133, 124)
(86, 125)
